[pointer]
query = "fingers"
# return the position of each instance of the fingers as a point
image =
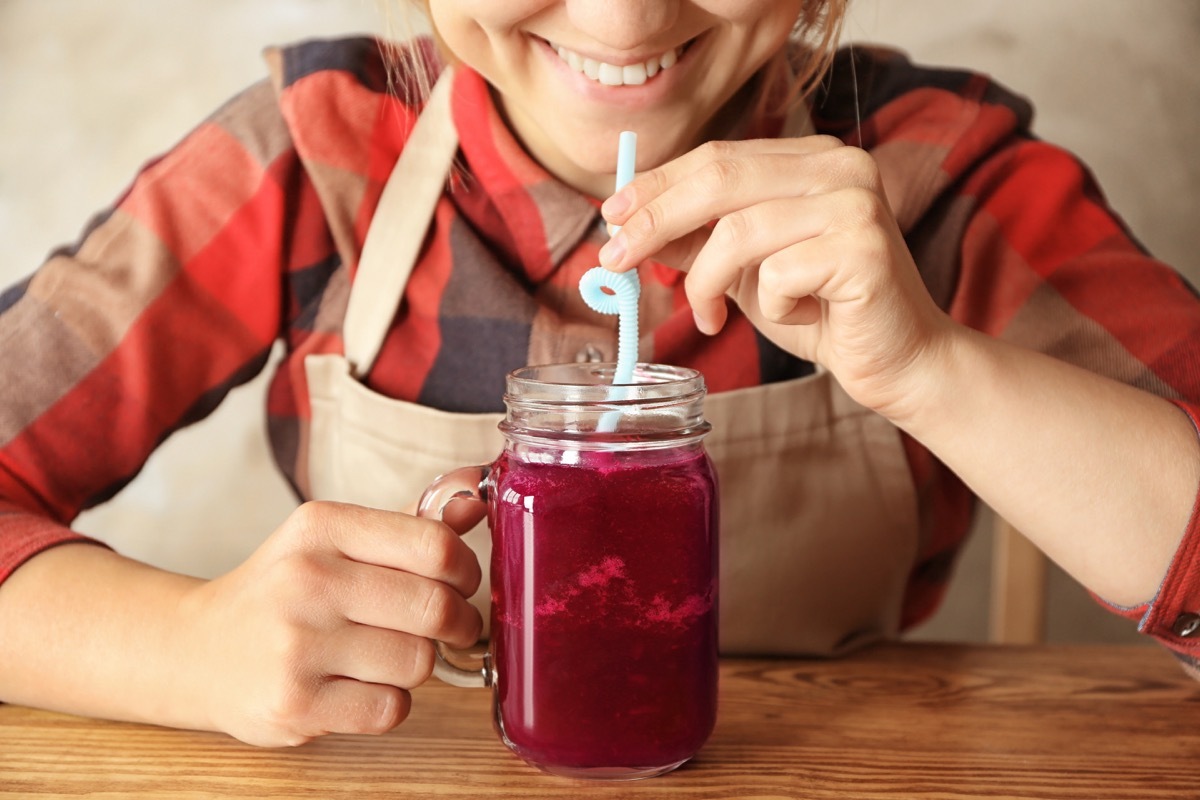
(424, 547)
(723, 209)
(743, 240)
(805, 311)
(770, 256)
(345, 705)
(791, 281)
(652, 183)
(401, 601)
(325, 627)
(462, 514)
(376, 655)
(379, 569)
(358, 683)
(720, 177)
(681, 253)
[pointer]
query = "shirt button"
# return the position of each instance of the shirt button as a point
(589, 355)
(1186, 625)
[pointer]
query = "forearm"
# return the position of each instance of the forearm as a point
(86, 631)
(1101, 476)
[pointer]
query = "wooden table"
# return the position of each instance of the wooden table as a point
(896, 721)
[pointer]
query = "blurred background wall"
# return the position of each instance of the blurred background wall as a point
(89, 91)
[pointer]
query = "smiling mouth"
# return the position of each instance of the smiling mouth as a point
(614, 75)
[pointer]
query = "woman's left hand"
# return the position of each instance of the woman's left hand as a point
(804, 242)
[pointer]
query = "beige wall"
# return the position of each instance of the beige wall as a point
(1114, 81)
(89, 90)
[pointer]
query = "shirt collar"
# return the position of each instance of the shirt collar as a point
(533, 218)
(543, 219)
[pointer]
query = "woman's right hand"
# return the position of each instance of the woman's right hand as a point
(326, 627)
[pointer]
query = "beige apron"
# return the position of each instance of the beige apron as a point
(818, 511)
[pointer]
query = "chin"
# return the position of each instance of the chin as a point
(595, 153)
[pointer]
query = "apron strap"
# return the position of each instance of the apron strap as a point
(398, 227)
(402, 219)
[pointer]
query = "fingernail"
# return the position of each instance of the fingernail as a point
(616, 205)
(701, 325)
(613, 252)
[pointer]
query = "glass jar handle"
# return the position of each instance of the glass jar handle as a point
(467, 483)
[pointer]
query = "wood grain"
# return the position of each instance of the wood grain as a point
(895, 721)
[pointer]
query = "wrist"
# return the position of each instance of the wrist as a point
(109, 613)
(191, 697)
(931, 385)
(163, 672)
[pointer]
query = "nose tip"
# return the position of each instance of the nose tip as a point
(623, 24)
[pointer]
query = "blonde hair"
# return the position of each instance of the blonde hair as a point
(789, 78)
(819, 29)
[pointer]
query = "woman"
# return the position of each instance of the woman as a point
(900, 273)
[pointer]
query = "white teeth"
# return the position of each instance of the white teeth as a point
(611, 74)
(634, 74)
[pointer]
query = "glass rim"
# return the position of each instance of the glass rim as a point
(591, 382)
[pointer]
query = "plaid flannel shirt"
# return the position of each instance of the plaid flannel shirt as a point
(250, 229)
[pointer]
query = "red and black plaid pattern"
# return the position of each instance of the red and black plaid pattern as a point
(250, 229)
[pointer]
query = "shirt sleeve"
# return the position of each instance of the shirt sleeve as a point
(169, 299)
(1173, 616)
(1045, 263)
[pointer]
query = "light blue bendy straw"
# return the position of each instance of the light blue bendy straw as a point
(625, 290)
(625, 286)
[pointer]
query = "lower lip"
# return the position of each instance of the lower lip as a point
(647, 94)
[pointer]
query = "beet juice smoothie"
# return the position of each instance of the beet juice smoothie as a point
(604, 604)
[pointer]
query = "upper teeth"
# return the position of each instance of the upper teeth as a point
(611, 74)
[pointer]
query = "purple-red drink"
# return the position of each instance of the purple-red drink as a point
(604, 609)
